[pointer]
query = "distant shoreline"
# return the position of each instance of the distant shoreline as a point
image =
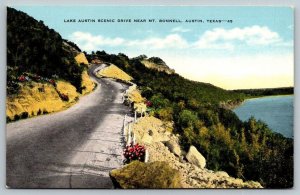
(235, 105)
(266, 96)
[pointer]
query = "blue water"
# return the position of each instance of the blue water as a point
(276, 111)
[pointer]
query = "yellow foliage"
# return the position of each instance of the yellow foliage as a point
(166, 114)
(135, 96)
(114, 72)
(66, 88)
(222, 134)
(87, 83)
(38, 97)
(33, 98)
(204, 133)
(80, 58)
(43, 97)
(181, 105)
(140, 107)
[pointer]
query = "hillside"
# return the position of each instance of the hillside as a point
(247, 150)
(176, 86)
(34, 48)
(44, 72)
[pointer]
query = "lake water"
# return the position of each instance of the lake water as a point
(276, 111)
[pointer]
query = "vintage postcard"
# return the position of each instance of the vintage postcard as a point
(150, 97)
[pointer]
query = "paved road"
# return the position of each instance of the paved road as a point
(75, 148)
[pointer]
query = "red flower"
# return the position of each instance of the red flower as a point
(52, 81)
(134, 152)
(22, 78)
(148, 103)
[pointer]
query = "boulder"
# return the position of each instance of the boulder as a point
(195, 157)
(146, 175)
(174, 146)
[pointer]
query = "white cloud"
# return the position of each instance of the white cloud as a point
(180, 29)
(90, 42)
(170, 41)
(220, 38)
(217, 38)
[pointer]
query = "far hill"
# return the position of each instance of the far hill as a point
(155, 63)
(266, 91)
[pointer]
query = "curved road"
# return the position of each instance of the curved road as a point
(75, 148)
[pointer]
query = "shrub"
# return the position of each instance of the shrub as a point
(8, 119)
(166, 114)
(16, 117)
(187, 118)
(147, 92)
(45, 111)
(158, 101)
(134, 152)
(141, 175)
(64, 97)
(24, 115)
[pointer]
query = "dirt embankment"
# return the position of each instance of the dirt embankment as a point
(35, 98)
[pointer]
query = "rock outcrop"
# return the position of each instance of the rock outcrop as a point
(157, 64)
(173, 146)
(163, 146)
(195, 157)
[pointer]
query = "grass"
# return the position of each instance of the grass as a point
(80, 58)
(114, 72)
(34, 101)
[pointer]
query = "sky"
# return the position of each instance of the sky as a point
(251, 48)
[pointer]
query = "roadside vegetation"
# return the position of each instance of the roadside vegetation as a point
(44, 72)
(248, 150)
